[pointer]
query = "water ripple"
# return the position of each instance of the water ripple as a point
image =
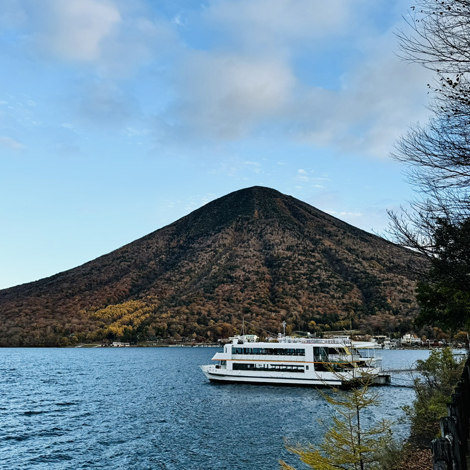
(152, 409)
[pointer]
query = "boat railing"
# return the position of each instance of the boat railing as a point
(350, 357)
(314, 340)
(269, 357)
(343, 357)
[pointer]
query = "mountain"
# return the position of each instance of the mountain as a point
(255, 254)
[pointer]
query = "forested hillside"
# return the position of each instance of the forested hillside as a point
(254, 254)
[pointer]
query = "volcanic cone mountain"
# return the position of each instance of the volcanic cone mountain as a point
(255, 254)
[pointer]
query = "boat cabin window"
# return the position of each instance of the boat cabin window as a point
(332, 366)
(269, 367)
(322, 367)
(319, 351)
(320, 354)
(269, 351)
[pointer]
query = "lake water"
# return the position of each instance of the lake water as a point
(152, 408)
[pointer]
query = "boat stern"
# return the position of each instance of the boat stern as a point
(382, 379)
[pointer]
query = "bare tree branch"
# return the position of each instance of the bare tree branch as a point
(437, 155)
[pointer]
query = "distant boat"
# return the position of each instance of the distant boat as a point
(295, 361)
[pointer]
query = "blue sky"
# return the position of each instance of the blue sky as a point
(118, 117)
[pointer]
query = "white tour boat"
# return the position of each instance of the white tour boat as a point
(296, 361)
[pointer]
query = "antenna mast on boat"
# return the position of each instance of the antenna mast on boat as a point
(284, 326)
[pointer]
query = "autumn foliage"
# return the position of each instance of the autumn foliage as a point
(254, 254)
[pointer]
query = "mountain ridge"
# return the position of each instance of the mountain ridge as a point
(254, 252)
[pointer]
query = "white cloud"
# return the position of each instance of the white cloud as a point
(350, 214)
(177, 21)
(225, 95)
(380, 97)
(113, 36)
(132, 132)
(75, 30)
(302, 175)
(138, 41)
(10, 143)
(248, 82)
(275, 24)
(243, 79)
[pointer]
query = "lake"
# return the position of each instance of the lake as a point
(152, 408)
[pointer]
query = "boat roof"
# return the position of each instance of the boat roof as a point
(294, 341)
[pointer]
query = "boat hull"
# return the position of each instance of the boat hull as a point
(216, 375)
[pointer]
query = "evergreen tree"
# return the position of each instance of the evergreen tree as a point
(445, 297)
(439, 375)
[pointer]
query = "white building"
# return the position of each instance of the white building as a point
(410, 339)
